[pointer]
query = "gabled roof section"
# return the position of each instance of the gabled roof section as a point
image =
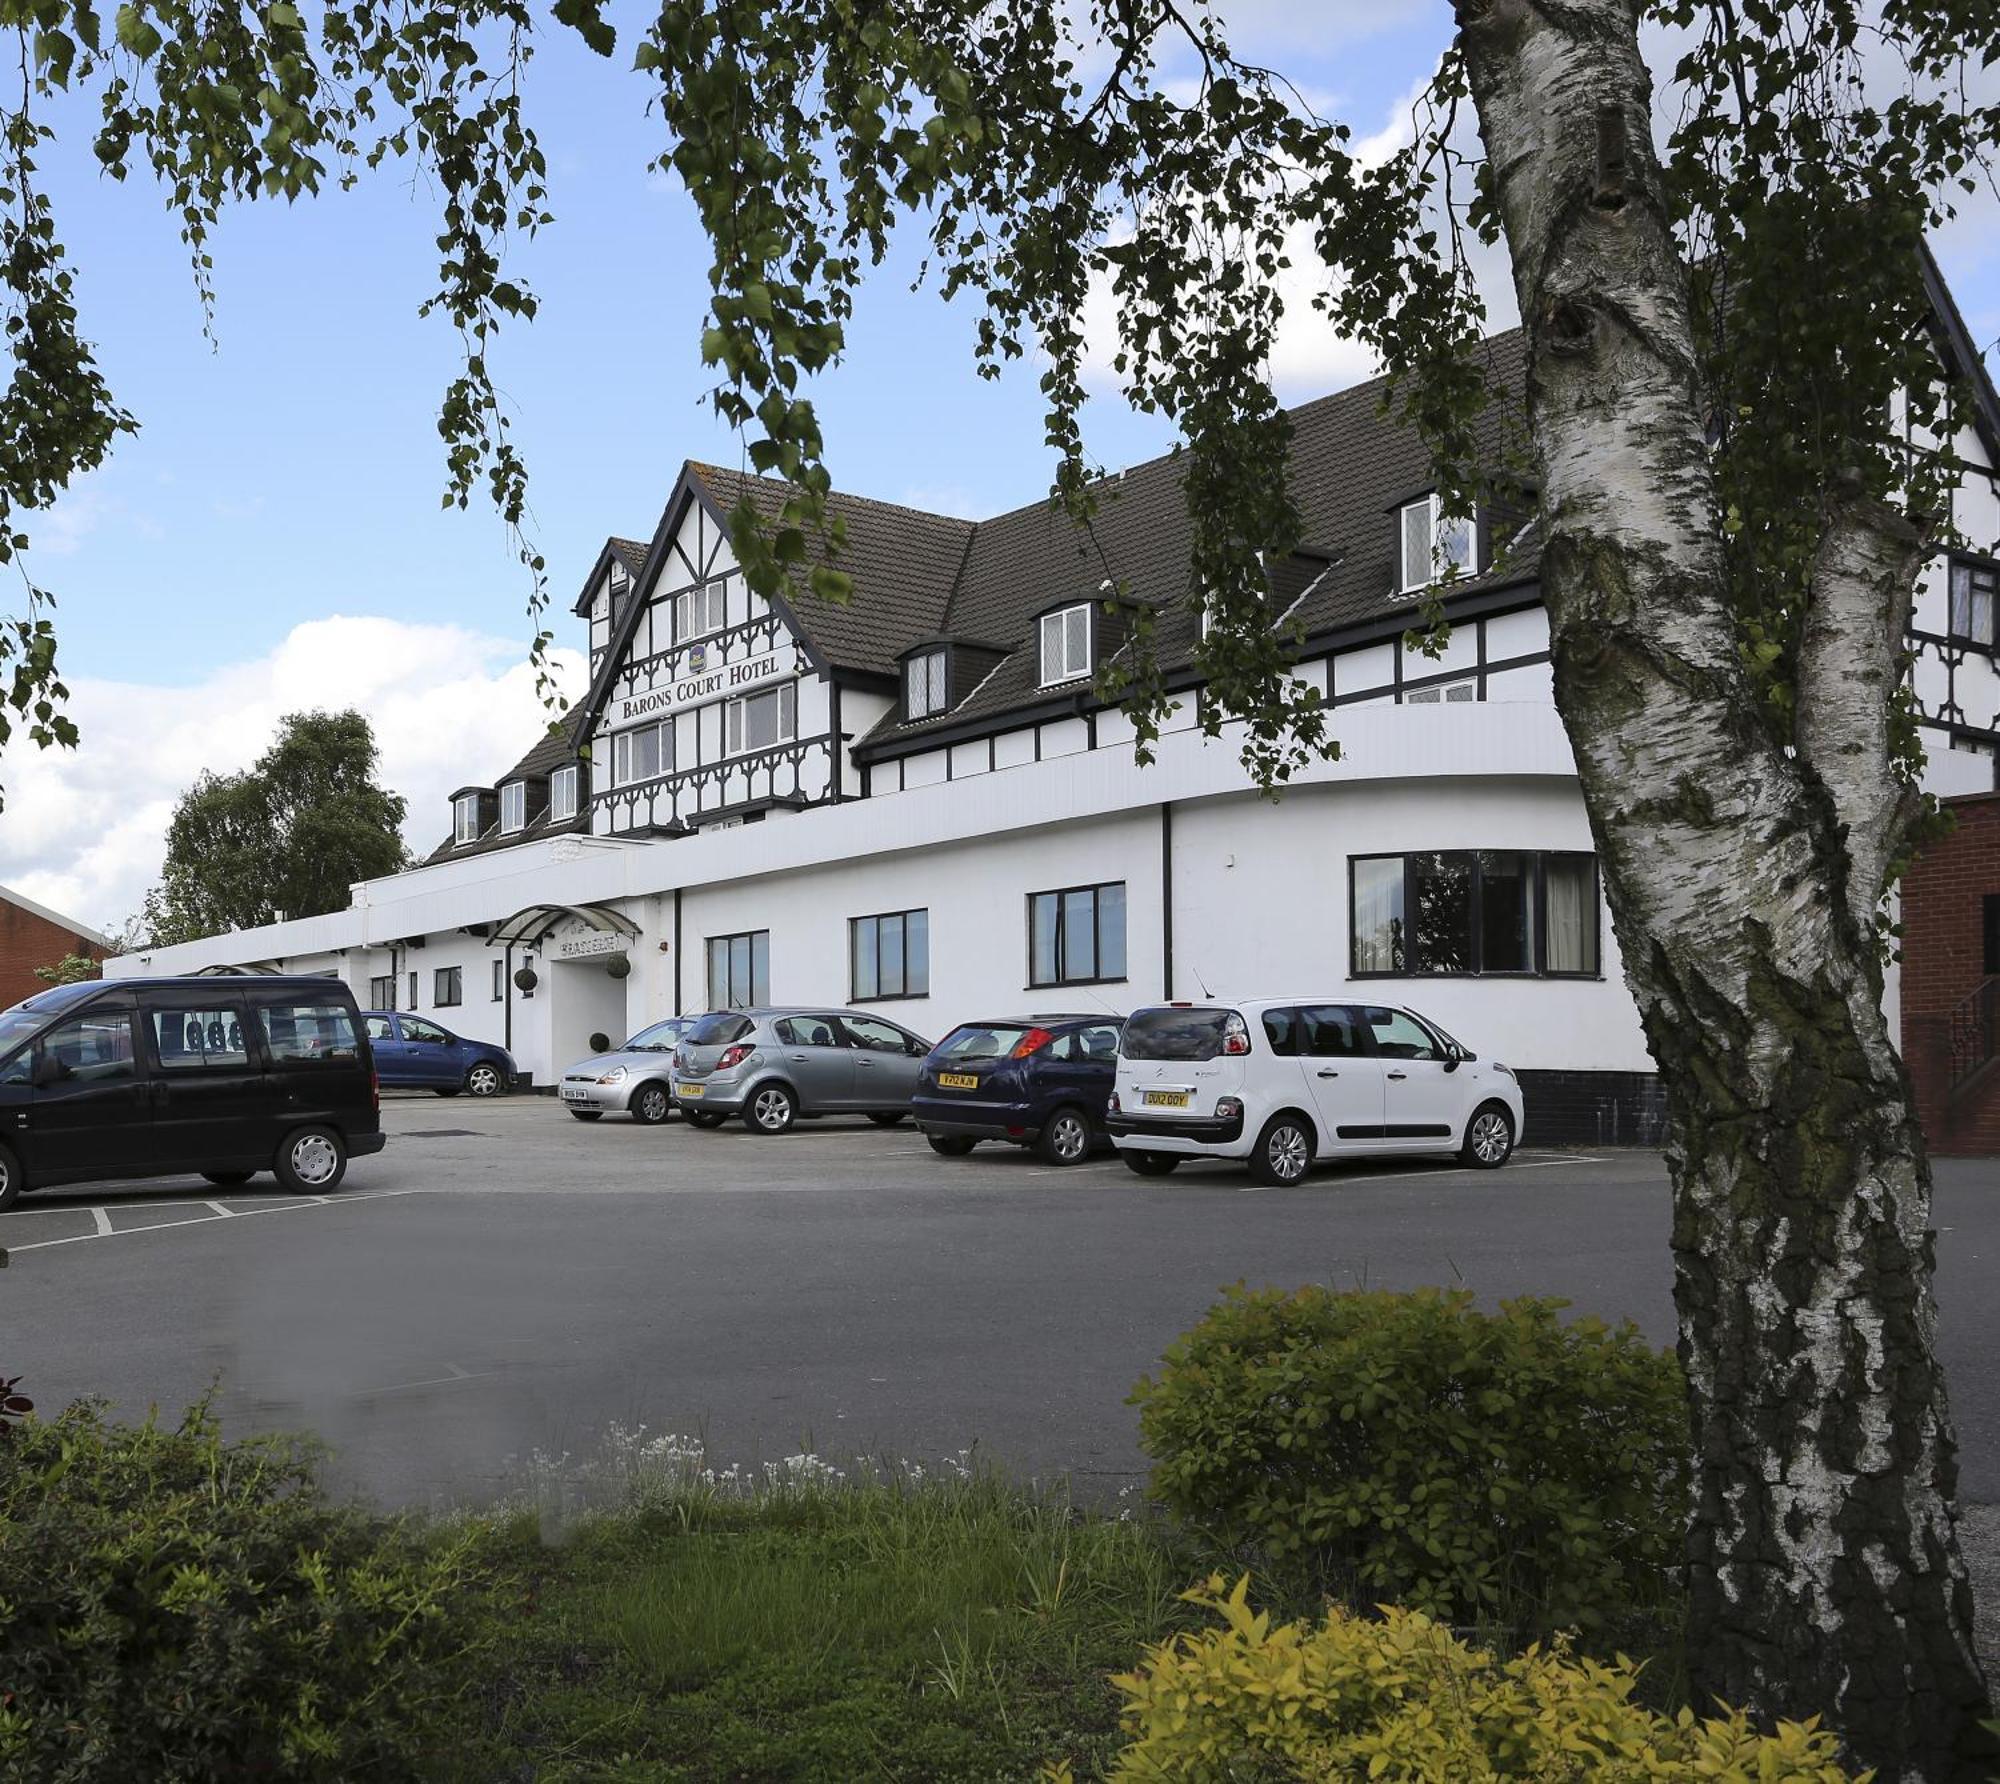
(554, 749)
(1963, 353)
(628, 554)
(904, 562)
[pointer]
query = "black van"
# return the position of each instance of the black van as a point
(224, 1076)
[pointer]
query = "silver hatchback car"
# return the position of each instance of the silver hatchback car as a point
(637, 1076)
(775, 1066)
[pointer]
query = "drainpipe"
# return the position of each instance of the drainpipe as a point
(677, 951)
(1167, 898)
(507, 999)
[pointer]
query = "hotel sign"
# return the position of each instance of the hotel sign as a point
(590, 945)
(741, 676)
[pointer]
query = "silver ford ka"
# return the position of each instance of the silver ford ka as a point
(637, 1077)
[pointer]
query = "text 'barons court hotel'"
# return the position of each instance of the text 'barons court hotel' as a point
(915, 799)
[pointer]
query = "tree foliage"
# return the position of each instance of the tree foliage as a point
(289, 837)
(71, 969)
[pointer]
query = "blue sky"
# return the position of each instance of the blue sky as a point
(273, 536)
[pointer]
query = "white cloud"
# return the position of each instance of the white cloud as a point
(83, 830)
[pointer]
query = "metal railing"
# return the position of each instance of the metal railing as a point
(1975, 1030)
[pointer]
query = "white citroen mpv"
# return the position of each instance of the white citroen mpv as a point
(1281, 1081)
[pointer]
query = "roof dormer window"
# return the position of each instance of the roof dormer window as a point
(1065, 644)
(513, 807)
(1432, 546)
(562, 794)
(465, 818)
(925, 686)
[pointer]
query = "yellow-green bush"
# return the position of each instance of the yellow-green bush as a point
(1482, 1467)
(1401, 1699)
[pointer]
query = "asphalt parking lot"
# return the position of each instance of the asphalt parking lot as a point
(502, 1279)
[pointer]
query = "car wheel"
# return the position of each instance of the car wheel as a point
(1151, 1164)
(485, 1080)
(311, 1161)
(1284, 1150)
(586, 1114)
(1489, 1138)
(1065, 1138)
(228, 1179)
(771, 1110)
(651, 1104)
(887, 1117)
(11, 1181)
(703, 1117)
(950, 1145)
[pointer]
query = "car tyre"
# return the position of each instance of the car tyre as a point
(1489, 1138)
(311, 1161)
(1151, 1164)
(485, 1079)
(950, 1145)
(651, 1105)
(772, 1109)
(228, 1179)
(703, 1117)
(1065, 1137)
(1284, 1150)
(586, 1114)
(888, 1117)
(12, 1182)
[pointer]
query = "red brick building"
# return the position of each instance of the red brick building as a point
(1951, 980)
(32, 935)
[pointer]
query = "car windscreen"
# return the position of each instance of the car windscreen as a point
(978, 1041)
(17, 1024)
(719, 1029)
(1177, 1034)
(660, 1038)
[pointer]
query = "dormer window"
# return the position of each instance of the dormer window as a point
(1431, 545)
(700, 611)
(562, 794)
(465, 818)
(1065, 640)
(513, 807)
(924, 685)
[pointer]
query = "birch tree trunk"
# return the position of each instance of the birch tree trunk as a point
(1825, 1574)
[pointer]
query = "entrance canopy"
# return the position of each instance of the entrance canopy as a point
(533, 925)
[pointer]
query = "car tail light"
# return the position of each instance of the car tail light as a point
(375, 1089)
(735, 1055)
(1112, 1104)
(1235, 1038)
(680, 1060)
(1031, 1042)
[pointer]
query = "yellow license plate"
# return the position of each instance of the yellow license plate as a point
(1166, 1099)
(957, 1081)
(688, 1089)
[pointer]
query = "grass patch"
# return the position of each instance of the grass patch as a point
(884, 1627)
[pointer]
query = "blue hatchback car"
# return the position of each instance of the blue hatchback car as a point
(412, 1053)
(1037, 1081)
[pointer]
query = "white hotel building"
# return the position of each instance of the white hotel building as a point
(915, 801)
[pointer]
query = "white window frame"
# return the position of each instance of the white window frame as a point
(1061, 665)
(513, 807)
(701, 611)
(464, 819)
(735, 720)
(925, 686)
(564, 785)
(1441, 693)
(1433, 507)
(622, 745)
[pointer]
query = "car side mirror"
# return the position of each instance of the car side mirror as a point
(1452, 1056)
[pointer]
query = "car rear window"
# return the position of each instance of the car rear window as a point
(1178, 1034)
(977, 1040)
(719, 1029)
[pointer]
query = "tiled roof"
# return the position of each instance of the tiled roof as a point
(904, 562)
(552, 749)
(629, 552)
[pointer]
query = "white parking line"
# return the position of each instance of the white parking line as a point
(107, 1231)
(221, 1211)
(103, 1218)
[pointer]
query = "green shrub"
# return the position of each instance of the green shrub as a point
(1401, 1699)
(1409, 1447)
(176, 1607)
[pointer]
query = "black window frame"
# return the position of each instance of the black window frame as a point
(441, 976)
(1062, 894)
(1539, 970)
(377, 984)
(878, 918)
(413, 988)
(708, 968)
(1983, 566)
(499, 980)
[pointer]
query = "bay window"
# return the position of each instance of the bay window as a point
(1456, 912)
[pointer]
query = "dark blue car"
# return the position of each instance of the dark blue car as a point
(1037, 1081)
(413, 1053)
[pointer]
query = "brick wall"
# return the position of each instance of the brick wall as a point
(29, 940)
(1943, 960)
